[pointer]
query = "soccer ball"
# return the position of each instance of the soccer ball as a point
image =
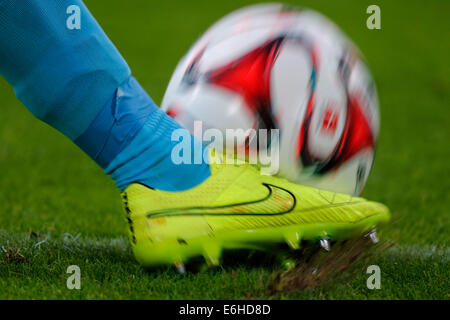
(275, 67)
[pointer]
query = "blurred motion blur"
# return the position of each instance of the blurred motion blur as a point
(269, 67)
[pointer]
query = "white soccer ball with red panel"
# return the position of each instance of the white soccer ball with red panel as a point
(274, 67)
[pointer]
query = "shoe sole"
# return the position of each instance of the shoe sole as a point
(178, 252)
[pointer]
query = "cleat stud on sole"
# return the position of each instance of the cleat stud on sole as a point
(293, 240)
(285, 259)
(212, 254)
(372, 235)
(180, 267)
(288, 264)
(325, 243)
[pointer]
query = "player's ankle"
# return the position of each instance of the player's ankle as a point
(148, 159)
(131, 138)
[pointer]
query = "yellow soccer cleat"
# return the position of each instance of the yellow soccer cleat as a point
(238, 208)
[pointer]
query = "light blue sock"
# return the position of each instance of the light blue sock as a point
(131, 139)
(64, 77)
(76, 81)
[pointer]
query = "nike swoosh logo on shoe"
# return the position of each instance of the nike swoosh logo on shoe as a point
(278, 201)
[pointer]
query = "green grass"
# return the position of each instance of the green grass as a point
(48, 186)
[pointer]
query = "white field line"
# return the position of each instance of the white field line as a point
(420, 251)
(78, 242)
